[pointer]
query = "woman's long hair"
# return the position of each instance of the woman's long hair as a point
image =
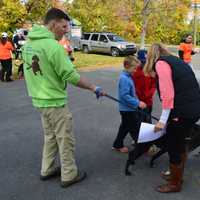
(154, 52)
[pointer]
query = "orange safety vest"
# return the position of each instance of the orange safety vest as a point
(6, 50)
(66, 44)
(187, 51)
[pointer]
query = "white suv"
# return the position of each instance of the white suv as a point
(106, 43)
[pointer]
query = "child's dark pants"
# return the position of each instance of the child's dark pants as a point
(130, 123)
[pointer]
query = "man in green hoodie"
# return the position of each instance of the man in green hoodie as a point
(47, 72)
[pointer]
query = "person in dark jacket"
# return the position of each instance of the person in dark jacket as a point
(18, 40)
(180, 95)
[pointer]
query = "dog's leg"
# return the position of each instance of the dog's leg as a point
(127, 171)
(129, 162)
(133, 155)
(156, 156)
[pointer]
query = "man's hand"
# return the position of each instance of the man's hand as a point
(99, 92)
(159, 126)
(142, 105)
(85, 84)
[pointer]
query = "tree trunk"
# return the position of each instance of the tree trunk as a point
(144, 23)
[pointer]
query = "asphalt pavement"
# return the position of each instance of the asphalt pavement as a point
(95, 127)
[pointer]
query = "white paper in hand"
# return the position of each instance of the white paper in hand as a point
(147, 134)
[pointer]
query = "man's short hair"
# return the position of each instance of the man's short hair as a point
(55, 14)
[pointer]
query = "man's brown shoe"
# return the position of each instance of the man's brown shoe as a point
(56, 172)
(80, 177)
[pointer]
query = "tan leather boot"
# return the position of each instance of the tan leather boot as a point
(175, 183)
(167, 175)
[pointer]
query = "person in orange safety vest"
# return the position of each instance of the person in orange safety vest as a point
(6, 49)
(67, 46)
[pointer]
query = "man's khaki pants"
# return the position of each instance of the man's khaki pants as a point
(58, 136)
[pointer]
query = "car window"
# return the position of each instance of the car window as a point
(95, 37)
(115, 38)
(86, 36)
(103, 38)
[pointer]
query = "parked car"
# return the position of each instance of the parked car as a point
(105, 42)
(75, 41)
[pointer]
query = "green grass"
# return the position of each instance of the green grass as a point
(95, 60)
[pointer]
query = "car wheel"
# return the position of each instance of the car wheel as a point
(85, 49)
(115, 52)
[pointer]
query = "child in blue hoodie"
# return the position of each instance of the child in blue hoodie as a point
(130, 120)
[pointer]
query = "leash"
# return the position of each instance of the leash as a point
(117, 100)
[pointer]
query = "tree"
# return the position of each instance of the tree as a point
(103, 15)
(36, 9)
(91, 13)
(160, 20)
(150, 20)
(10, 17)
(14, 13)
(145, 13)
(166, 23)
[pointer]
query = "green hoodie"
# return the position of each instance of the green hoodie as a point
(47, 69)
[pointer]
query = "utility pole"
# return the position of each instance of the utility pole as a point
(195, 24)
(145, 14)
(195, 6)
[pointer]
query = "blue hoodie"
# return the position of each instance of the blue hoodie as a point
(126, 93)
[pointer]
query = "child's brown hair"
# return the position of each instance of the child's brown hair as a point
(131, 61)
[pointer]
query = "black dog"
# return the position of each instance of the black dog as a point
(142, 148)
(192, 142)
